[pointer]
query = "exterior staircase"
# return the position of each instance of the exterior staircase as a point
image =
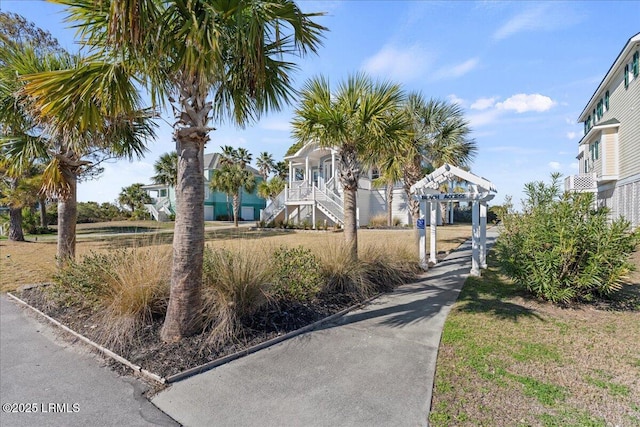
(160, 209)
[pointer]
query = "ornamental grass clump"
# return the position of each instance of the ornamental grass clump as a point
(236, 286)
(562, 249)
(388, 266)
(125, 288)
(342, 274)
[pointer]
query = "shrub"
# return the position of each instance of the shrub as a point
(378, 221)
(236, 285)
(563, 250)
(342, 274)
(297, 273)
(125, 287)
(388, 267)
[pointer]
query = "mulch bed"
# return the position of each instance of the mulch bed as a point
(149, 352)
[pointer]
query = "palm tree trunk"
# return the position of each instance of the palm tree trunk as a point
(236, 206)
(349, 175)
(43, 212)
(389, 205)
(15, 225)
(67, 217)
(183, 312)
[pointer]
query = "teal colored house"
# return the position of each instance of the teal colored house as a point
(216, 204)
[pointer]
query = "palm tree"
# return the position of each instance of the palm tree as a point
(270, 189)
(166, 169)
(265, 164)
(359, 118)
(390, 168)
(282, 170)
(212, 60)
(439, 134)
(134, 197)
(231, 179)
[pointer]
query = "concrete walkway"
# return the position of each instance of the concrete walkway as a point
(372, 367)
(62, 384)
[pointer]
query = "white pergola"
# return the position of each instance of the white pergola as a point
(480, 192)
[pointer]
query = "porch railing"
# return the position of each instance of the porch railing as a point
(581, 182)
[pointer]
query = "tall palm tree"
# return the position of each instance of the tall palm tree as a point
(438, 134)
(231, 179)
(265, 164)
(166, 169)
(359, 118)
(390, 168)
(212, 60)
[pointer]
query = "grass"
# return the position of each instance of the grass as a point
(507, 359)
(34, 261)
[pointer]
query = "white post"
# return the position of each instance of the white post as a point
(286, 193)
(483, 234)
(307, 175)
(291, 174)
(313, 208)
(333, 166)
(422, 244)
(451, 214)
(435, 208)
(475, 237)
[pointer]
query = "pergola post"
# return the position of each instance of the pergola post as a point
(291, 173)
(483, 234)
(475, 239)
(422, 233)
(307, 174)
(433, 221)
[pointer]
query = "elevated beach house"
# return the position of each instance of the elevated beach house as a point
(609, 151)
(216, 204)
(313, 192)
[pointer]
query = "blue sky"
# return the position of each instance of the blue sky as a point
(522, 71)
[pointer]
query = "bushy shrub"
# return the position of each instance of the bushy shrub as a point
(236, 285)
(126, 287)
(561, 249)
(378, 221)
(296, 273)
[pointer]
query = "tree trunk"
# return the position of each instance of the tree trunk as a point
(236, 206)
(43, 213)
(183, 316)
(15, 225)
(67, 217)
(349, 175)
(389, 205)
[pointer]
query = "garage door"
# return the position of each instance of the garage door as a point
(247, 213)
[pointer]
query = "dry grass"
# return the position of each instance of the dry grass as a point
(34, 262)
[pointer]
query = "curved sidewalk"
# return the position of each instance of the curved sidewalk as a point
(372, 367)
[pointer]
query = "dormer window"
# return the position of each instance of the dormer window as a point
(626, 76)
(606, 101)
(636, 66)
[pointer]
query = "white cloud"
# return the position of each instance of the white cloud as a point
(453, 98)
(483, 103)
(398, 63)
(484, 118)
(523, 102)
(574, 166)
(555, 165)
(571, 135)
(531, 19)
(457, 70)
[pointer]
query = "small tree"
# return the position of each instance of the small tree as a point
(231, 179)
(134, 198)
(562, 249)
(270, 189)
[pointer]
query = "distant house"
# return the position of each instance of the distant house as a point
(609, 151)
(313, 192)
(216, 204)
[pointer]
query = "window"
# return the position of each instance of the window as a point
(163, 193)
(586, 165)
(606, 101)
(626, 76)
(588, 123)
(594, 150)
(600, 109)
(636, 68)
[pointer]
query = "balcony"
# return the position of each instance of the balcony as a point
(584, 182)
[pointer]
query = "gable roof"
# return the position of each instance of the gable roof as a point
(449, 172)
(618, 63)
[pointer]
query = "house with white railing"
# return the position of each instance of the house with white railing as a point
(313, 192)
(609, 151)
(216, 204)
